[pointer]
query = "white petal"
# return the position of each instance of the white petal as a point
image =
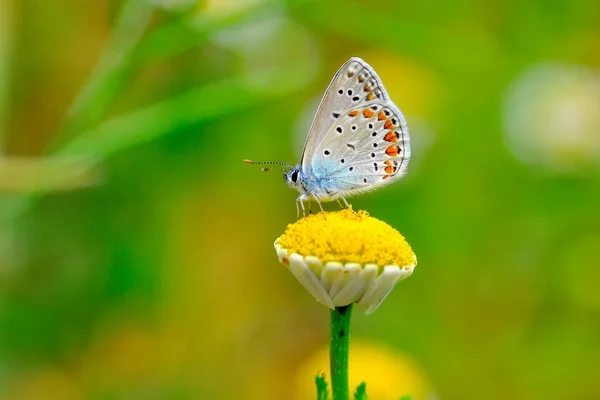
(368, 275)
(408, 271)
(281, 253)
(369, 272)
(329, 273)
(403, 274)
(353, 288)
(314, 264)
(333, 271)
(345, 275)
(309, 280)
(381, 286)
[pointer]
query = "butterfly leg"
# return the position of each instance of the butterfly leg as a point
(300, 200)
(348, 206)
(345, 201)
(320, 205)
(340, 203)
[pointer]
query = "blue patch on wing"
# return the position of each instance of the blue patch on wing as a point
(325, 176)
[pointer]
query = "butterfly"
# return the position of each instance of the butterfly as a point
(358, 140)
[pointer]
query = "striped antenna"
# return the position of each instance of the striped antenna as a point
(268, 162)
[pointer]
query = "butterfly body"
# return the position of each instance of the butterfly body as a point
(318, 182)
(358, 140)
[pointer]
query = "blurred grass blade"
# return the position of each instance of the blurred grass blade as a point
(48, 174)
(129, 51)
(180, 35)
(208, 102)
(110, 72)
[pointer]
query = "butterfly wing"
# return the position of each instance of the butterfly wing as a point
(365, 143)
(354, 84)
(372, 149)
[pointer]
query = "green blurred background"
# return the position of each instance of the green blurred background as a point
(136, 249)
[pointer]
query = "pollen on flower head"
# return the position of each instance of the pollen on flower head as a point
(348, 237)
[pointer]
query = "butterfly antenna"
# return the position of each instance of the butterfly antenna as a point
(268, 162)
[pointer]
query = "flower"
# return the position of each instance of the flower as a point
(389, 373)
(345, 257)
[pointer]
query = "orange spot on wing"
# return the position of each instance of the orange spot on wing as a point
(390, 137)
(368, 113)
(367, 88)
(388, 162)
(389, 169)
(353, 113)
(285, 261)
(386, 176)
(371, 96)
(381, 116)
(388, 124)
(392, 151)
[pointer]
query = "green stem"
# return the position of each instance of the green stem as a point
(339, 345)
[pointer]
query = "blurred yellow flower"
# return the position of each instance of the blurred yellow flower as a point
(389, 374)
(345, 257)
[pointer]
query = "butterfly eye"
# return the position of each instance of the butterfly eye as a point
(295, 176)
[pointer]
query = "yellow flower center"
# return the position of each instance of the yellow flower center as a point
(345, 236)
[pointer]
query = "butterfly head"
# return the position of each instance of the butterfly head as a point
(293, 176)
